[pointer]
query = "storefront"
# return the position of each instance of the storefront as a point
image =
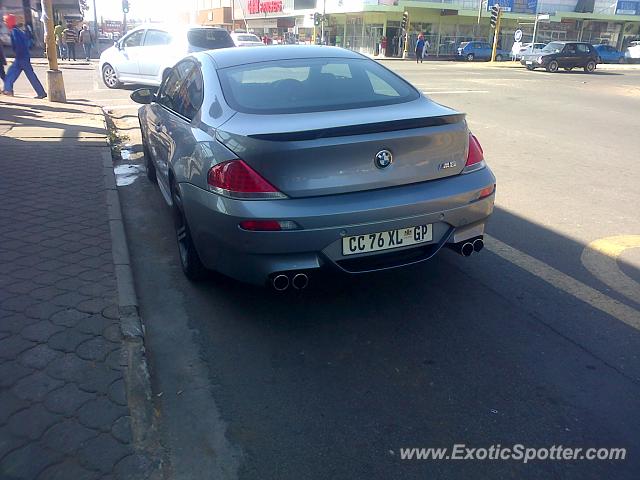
(372, 27)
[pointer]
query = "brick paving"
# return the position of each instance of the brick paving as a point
(63, 408)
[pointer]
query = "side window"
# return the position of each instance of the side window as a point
(582, 48)
(156, 37)
(133, 40)
(570, 49)
(191, 94)
(477, 45)
(380, 87)
(169, 94)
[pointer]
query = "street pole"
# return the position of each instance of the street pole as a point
(55, 82)
(535, 27)
(124, 24)
(324, 13)
(95, 23)
(495, 37)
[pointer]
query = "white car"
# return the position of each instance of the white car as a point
(526, 49)
(146, 54)
(633, 52)
(246, 40)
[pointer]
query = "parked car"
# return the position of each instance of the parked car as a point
(567, 55)
(246, 40)
(632, 54)
(278, 162)
(527, 49)
(147, 53)
(609, 54)
(471, 51)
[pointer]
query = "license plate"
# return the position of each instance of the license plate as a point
(529, 62)
(373, 242)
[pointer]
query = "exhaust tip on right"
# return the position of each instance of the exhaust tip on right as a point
(300, 281)
(478, 245)
(280, 282)
(467, 249)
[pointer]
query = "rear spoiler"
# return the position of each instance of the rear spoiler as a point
(390, 126)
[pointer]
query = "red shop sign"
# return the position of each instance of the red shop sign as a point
(269, 6)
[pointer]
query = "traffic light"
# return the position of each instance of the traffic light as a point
(317, 18)
(495, 12)
(125, 6)
(405, 20)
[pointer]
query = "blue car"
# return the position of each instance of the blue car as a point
(609, 54)
(471, 51)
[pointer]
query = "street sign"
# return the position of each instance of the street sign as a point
(517, 35)
(543, 16)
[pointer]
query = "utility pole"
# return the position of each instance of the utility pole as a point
(324, 16)
(95, 24)
(55, 82)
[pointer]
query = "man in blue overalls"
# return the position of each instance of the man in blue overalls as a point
(21, 42)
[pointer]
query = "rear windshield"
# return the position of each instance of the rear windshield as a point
(209, 39)
(247, 38)
(312, 85)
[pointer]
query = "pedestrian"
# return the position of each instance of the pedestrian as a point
(20, 42)
(425, 50)
(3, 62)
(86, 40)
(57, 31)
(70, 37)
(419, 48)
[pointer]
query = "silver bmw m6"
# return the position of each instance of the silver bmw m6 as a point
(278, 162)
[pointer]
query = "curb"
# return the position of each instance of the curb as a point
(137, 379)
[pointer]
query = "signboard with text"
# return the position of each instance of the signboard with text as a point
(266, 6)
(627, 7)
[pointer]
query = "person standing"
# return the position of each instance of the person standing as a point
(3, 62)
(20, 42)
(57, 31)
(419, 48)
(70, 37)
(86, 40)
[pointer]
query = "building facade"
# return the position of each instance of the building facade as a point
(373, 26)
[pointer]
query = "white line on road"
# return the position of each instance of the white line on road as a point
(564, 282)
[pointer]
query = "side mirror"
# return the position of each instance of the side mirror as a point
(143, 95)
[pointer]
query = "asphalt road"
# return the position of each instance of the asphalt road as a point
(535, 341)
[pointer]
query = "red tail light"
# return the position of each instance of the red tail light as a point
(475, 155)
(268, 225)
(237, 179)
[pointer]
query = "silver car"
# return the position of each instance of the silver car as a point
(279, 162)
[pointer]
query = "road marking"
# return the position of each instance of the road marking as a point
(600, 258)
(564, 282)
(433, 92)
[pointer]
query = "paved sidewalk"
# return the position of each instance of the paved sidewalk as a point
(64, 413)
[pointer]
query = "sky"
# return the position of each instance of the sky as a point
(162, 10)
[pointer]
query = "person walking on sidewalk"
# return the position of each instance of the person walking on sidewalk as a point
(86, 40)
(57, 31)
(3, 62)
(70, 37)
(419, 48)
(20, 42)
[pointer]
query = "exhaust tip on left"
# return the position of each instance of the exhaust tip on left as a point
(280, 283)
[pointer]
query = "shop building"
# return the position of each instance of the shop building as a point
(373, 26)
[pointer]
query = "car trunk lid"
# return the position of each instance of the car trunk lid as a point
(325, 153)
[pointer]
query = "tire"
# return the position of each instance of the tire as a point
(498, 58)
(590, 66)
(531, 68)
(552, 67)
(148, 162)
(470, 57)
(190, 261)
(110, 77)
(621, 60)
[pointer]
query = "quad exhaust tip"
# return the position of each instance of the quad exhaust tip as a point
(280, 282)
(478, 245)
(467, 249)
(300, 281)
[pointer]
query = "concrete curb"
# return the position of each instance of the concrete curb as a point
(137, 378)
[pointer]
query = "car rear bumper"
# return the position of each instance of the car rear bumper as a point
(450, 205)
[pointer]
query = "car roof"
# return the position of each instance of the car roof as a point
(230, 57)
(173, 28)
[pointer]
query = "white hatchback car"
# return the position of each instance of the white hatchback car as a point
(633, 52)
(146, 54)
(246, 40)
